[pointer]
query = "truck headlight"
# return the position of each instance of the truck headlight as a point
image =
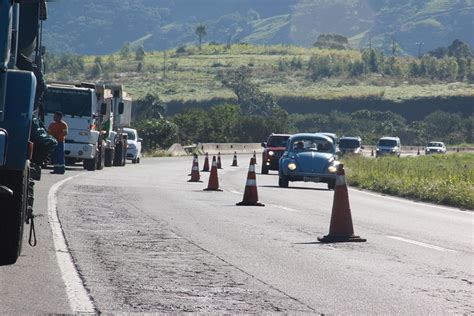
(292, 166)
(271, 153)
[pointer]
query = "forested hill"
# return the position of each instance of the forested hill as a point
(100, 27)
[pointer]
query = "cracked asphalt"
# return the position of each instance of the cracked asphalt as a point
(145, 240)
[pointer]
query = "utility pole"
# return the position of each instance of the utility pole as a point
(164, 65)
(419, 48)
(394, 48)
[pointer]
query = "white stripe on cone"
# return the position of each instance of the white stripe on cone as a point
(195, 168)
(340, 180)
(252, 168)
(251, 183)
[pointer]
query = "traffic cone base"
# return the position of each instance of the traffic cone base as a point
(244, 203)
(217, 190)
(332, 238)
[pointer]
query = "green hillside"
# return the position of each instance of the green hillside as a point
(102, 27)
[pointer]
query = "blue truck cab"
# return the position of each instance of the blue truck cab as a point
(17, 99)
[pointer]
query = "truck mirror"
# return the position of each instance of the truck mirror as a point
(103, 108)
(264, 144)
(140, 140)
(121, 108)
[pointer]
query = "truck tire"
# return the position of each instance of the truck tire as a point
(101, 158)
(119, 157)
(90, 164)
(13, 214)
(264, 169)
(109, 157)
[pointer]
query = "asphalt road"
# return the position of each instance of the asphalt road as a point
(34, 285)
(146, 240)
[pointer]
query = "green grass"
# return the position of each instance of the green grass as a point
(192, 75)
(441, 179)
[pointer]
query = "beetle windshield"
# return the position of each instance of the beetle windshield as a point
(435, 145)
(349, 143)
(277, 141)
(388, 143)
(312, 144)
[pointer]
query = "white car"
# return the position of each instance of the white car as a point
(435, 148)
(134, 145)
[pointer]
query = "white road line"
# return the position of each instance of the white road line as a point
(235, 192)
(79, 300)
(284, 208)
(422, 244)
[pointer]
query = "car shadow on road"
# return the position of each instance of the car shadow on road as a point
(293, 188)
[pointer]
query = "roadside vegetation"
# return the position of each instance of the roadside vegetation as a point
(442, 179)
(243, 92)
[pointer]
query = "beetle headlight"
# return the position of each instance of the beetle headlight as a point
(332, 169)
(292, 166)
(271, 153)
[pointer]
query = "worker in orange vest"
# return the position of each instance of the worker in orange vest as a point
(58, 129)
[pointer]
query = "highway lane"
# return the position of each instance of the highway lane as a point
(146, 240)
(34, 285)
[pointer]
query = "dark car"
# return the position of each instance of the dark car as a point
(350, 145)
(274, 148)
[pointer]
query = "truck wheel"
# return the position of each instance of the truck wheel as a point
(118, 157)
(134, 160)
(90, 164)
(70, 161)
(283, 182)
(12, 215)
(101, 158)
(109, 155)
(138, 159)
(264, 169)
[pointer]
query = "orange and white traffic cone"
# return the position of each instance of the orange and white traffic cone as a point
(195, 176)
(341, 229)
(219, 163)
(205, 168)
(250, 193)
(255, 157)
(234, 161)
(213, 184)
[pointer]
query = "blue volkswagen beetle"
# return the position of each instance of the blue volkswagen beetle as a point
(309, 158)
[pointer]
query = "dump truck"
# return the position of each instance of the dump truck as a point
(117, 117)
(83, 109)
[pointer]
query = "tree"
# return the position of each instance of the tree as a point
(140, 53)
(201, 31)
(250, 98)
(125, 51)
(459, 49)
(157, 133)
(332, 41)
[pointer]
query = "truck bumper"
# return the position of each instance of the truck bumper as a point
(80, 151)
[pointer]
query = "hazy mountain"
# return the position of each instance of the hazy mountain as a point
(100, 27)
